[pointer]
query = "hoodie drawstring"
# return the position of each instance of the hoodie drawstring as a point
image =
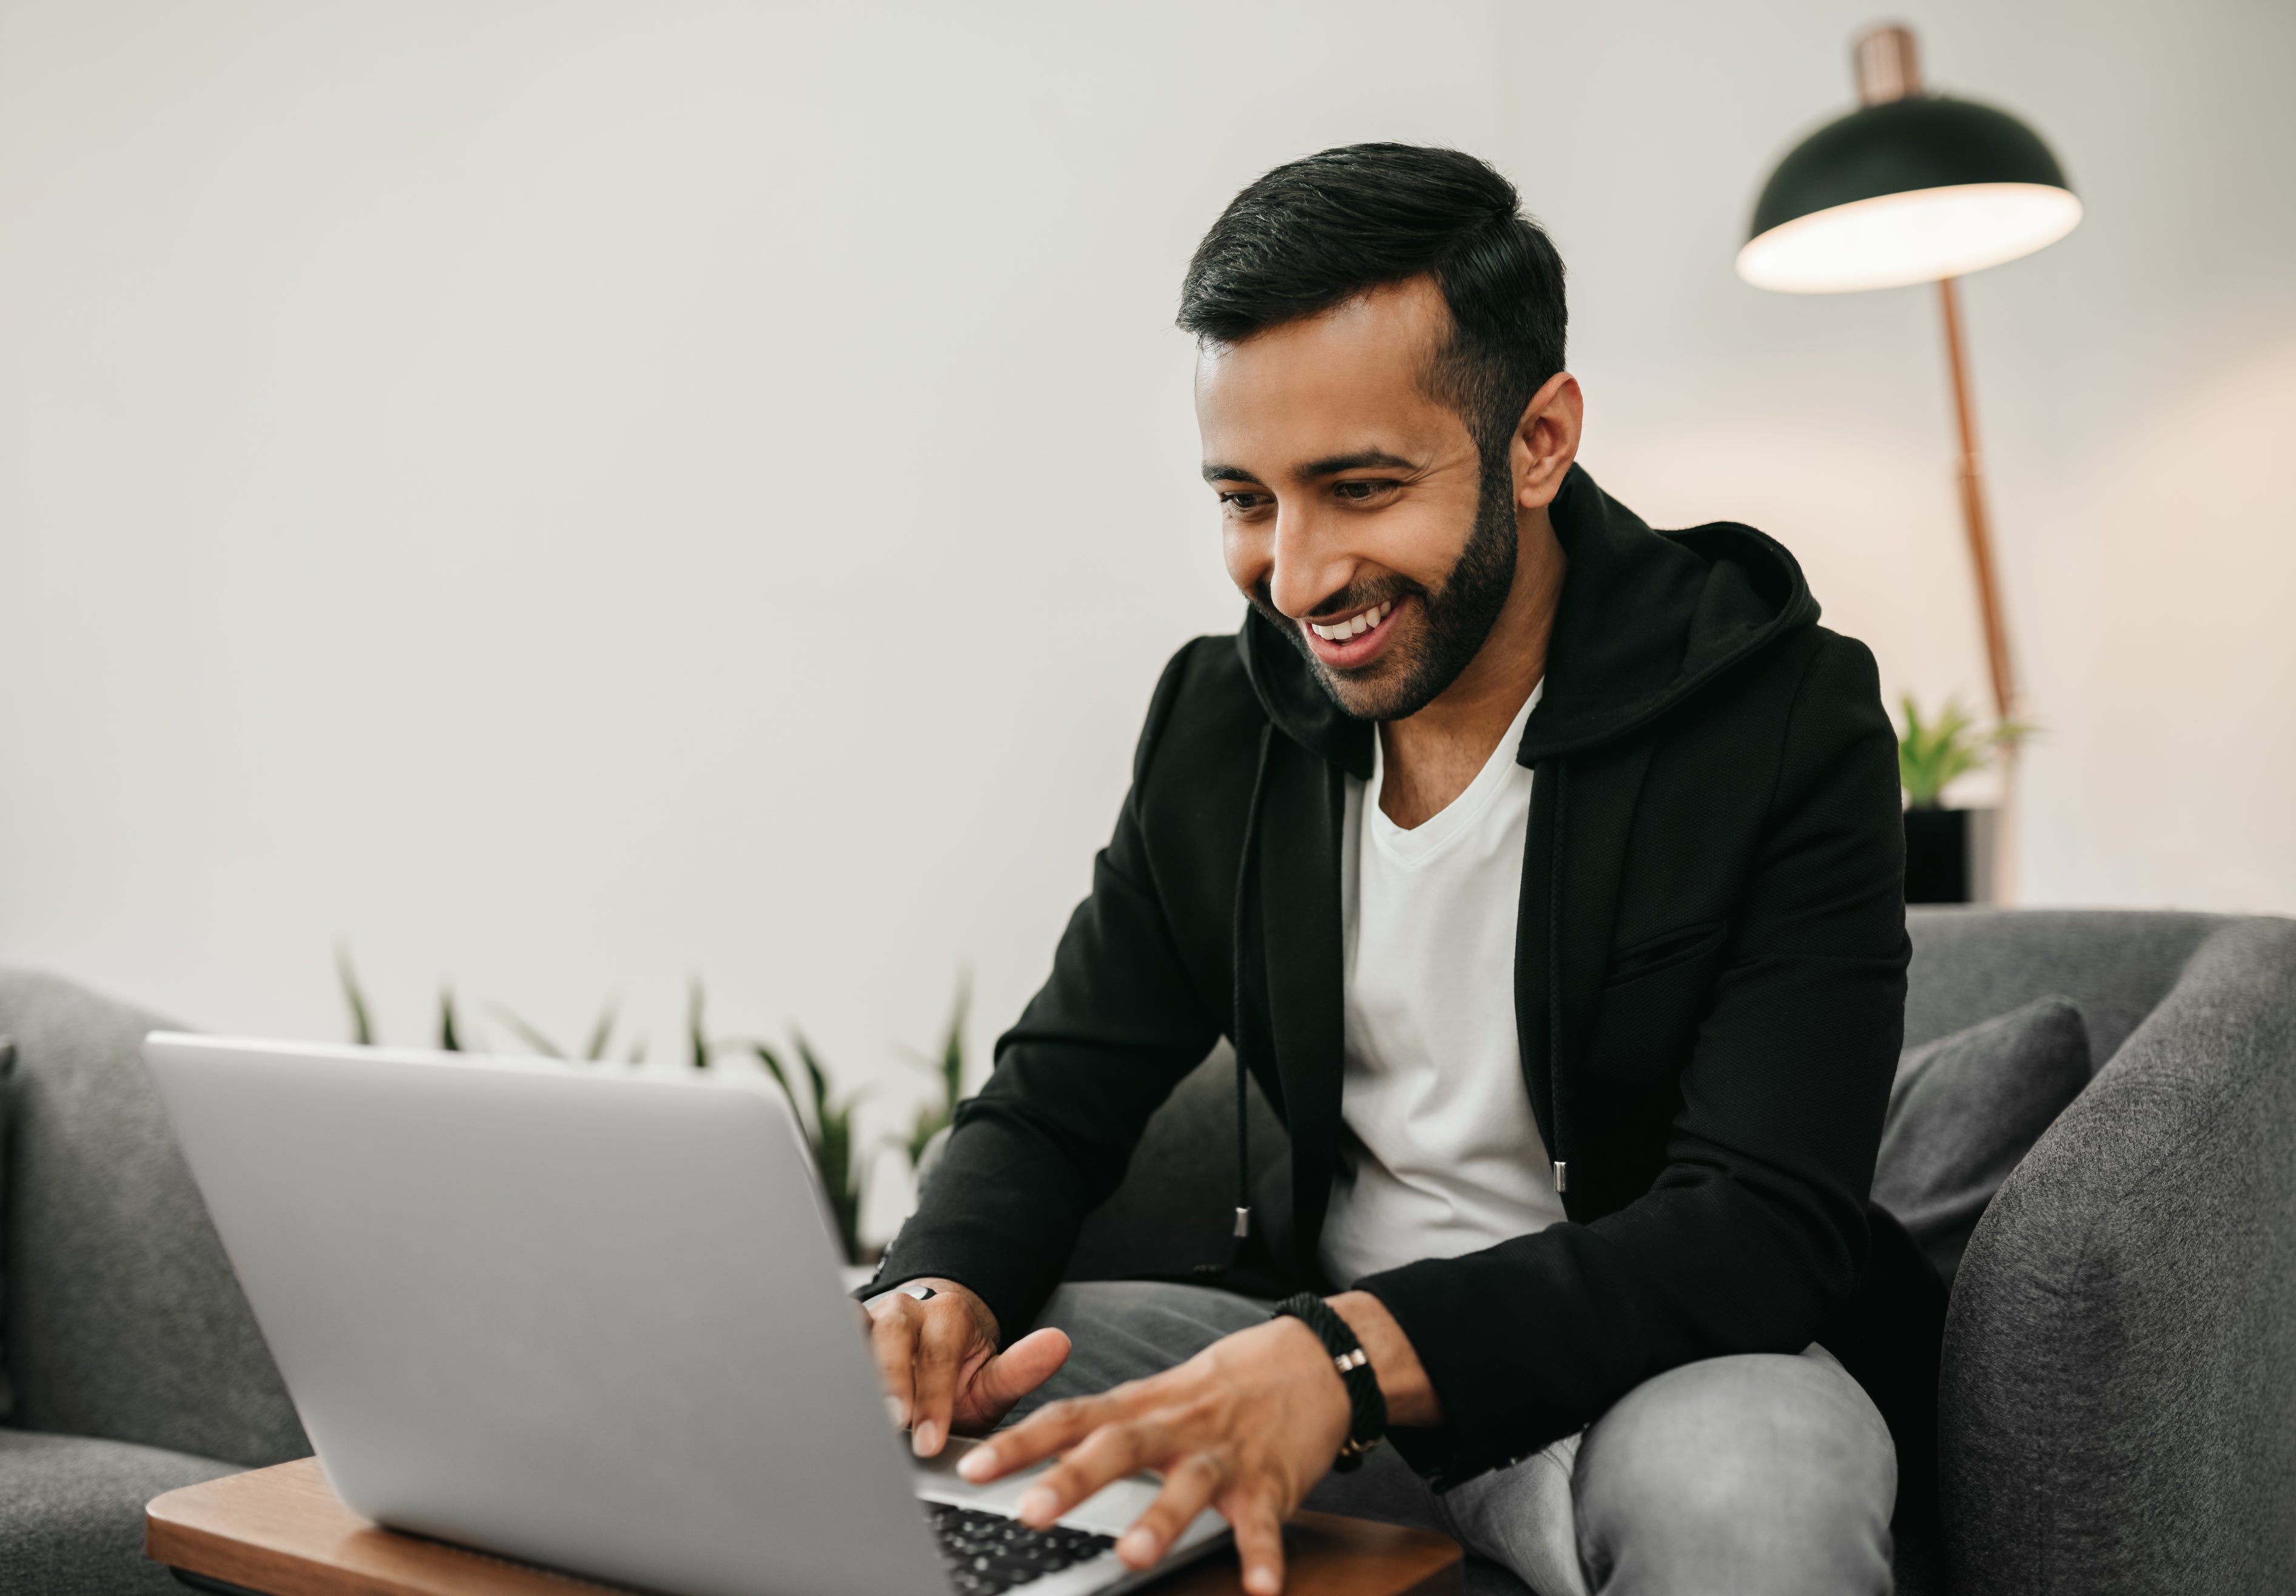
(1556, 1096)
(1237, 1026)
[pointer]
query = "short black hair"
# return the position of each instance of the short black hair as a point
(1321, 230)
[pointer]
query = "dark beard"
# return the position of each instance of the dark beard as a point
(1458, 616)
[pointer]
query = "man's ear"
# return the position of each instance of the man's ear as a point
(1546, 440)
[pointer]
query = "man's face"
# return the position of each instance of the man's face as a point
(1352, 504)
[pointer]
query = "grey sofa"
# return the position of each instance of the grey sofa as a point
(2118, 1410)
(134, 1364)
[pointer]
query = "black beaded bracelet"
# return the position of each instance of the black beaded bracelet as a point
(1369, 1424)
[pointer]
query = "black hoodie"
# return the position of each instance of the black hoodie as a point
(1710, 987)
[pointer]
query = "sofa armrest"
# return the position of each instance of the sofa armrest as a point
(2116, 1410)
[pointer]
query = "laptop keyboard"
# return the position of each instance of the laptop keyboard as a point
(988, 1553)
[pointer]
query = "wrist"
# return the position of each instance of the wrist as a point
(1333, 1404)
(1411, 1399)
(1344, 1353)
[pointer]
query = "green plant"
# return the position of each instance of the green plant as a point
(935, 1118)
(362, 1018)
(1934, 754)
(699, 1046)
(601, 1035)
(362, 1029)
(829, 1132)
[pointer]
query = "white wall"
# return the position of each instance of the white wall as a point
(564, 498)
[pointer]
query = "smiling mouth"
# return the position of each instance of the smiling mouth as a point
(1355, 625)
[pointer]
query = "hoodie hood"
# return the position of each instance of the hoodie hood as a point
(1646, 619)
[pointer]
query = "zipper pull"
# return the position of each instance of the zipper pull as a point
(1242, 1223)
(1562, 1176)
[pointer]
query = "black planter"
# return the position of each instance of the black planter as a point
(1949, 856)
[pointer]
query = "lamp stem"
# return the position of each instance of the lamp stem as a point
(2003, 870)
(1973, 510)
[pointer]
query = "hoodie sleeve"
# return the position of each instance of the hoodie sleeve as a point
(1114, 1029)
(1754, 1231)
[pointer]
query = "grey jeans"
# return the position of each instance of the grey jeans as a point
(1766, 1473)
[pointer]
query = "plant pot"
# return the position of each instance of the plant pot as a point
(1949, 856)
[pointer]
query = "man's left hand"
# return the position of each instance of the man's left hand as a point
(1247, 1426)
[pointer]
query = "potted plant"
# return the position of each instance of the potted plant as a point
(1948, 852)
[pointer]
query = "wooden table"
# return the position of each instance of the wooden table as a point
(280, 1532)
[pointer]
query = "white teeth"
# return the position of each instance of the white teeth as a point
(1354, 626)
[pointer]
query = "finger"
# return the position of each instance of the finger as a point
(943, 1339)
(1043, 1433)
(1258, 1542)
(1109, 1453)
(1010, 1375)
(1188, 1488)
(892, 1343)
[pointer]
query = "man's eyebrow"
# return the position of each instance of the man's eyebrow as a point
(1332, 465)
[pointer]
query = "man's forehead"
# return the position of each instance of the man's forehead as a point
(1326, 394)
(1389, 331)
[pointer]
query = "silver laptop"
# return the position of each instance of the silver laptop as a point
(590, 1319)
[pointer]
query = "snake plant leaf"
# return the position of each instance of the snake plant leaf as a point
(697, 1039)
(602, 1033)
(362, 1020)
(828, 1135)
(934, 1117)
(773, 1063)
(529, 1034)
(816, 1076)
(450, 1040)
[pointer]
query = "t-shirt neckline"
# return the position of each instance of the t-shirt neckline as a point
(1416, 844)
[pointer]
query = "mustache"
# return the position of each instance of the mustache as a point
(1355, 597)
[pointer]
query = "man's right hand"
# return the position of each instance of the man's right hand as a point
(940, 1365)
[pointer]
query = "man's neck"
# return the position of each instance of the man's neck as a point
(1429, 757)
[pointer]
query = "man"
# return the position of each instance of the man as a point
(1544, 870)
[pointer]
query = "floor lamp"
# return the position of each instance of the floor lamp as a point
(1914, 187)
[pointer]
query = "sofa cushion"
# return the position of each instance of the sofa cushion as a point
(71, 1512)
(125, 1321)
(1965, 1110)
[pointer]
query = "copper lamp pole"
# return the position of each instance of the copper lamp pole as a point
(1973, 514)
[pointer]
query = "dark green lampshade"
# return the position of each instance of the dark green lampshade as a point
(1904, 191)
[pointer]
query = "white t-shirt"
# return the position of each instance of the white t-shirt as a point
(1439, 1155)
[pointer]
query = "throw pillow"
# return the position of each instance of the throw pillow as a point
(1965, 1110)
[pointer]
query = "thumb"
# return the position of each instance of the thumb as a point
(1014, 1372)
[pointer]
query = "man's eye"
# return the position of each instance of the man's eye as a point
(1361, 492)
(1241, 501)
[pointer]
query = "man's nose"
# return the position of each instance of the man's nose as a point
(1309, 565)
